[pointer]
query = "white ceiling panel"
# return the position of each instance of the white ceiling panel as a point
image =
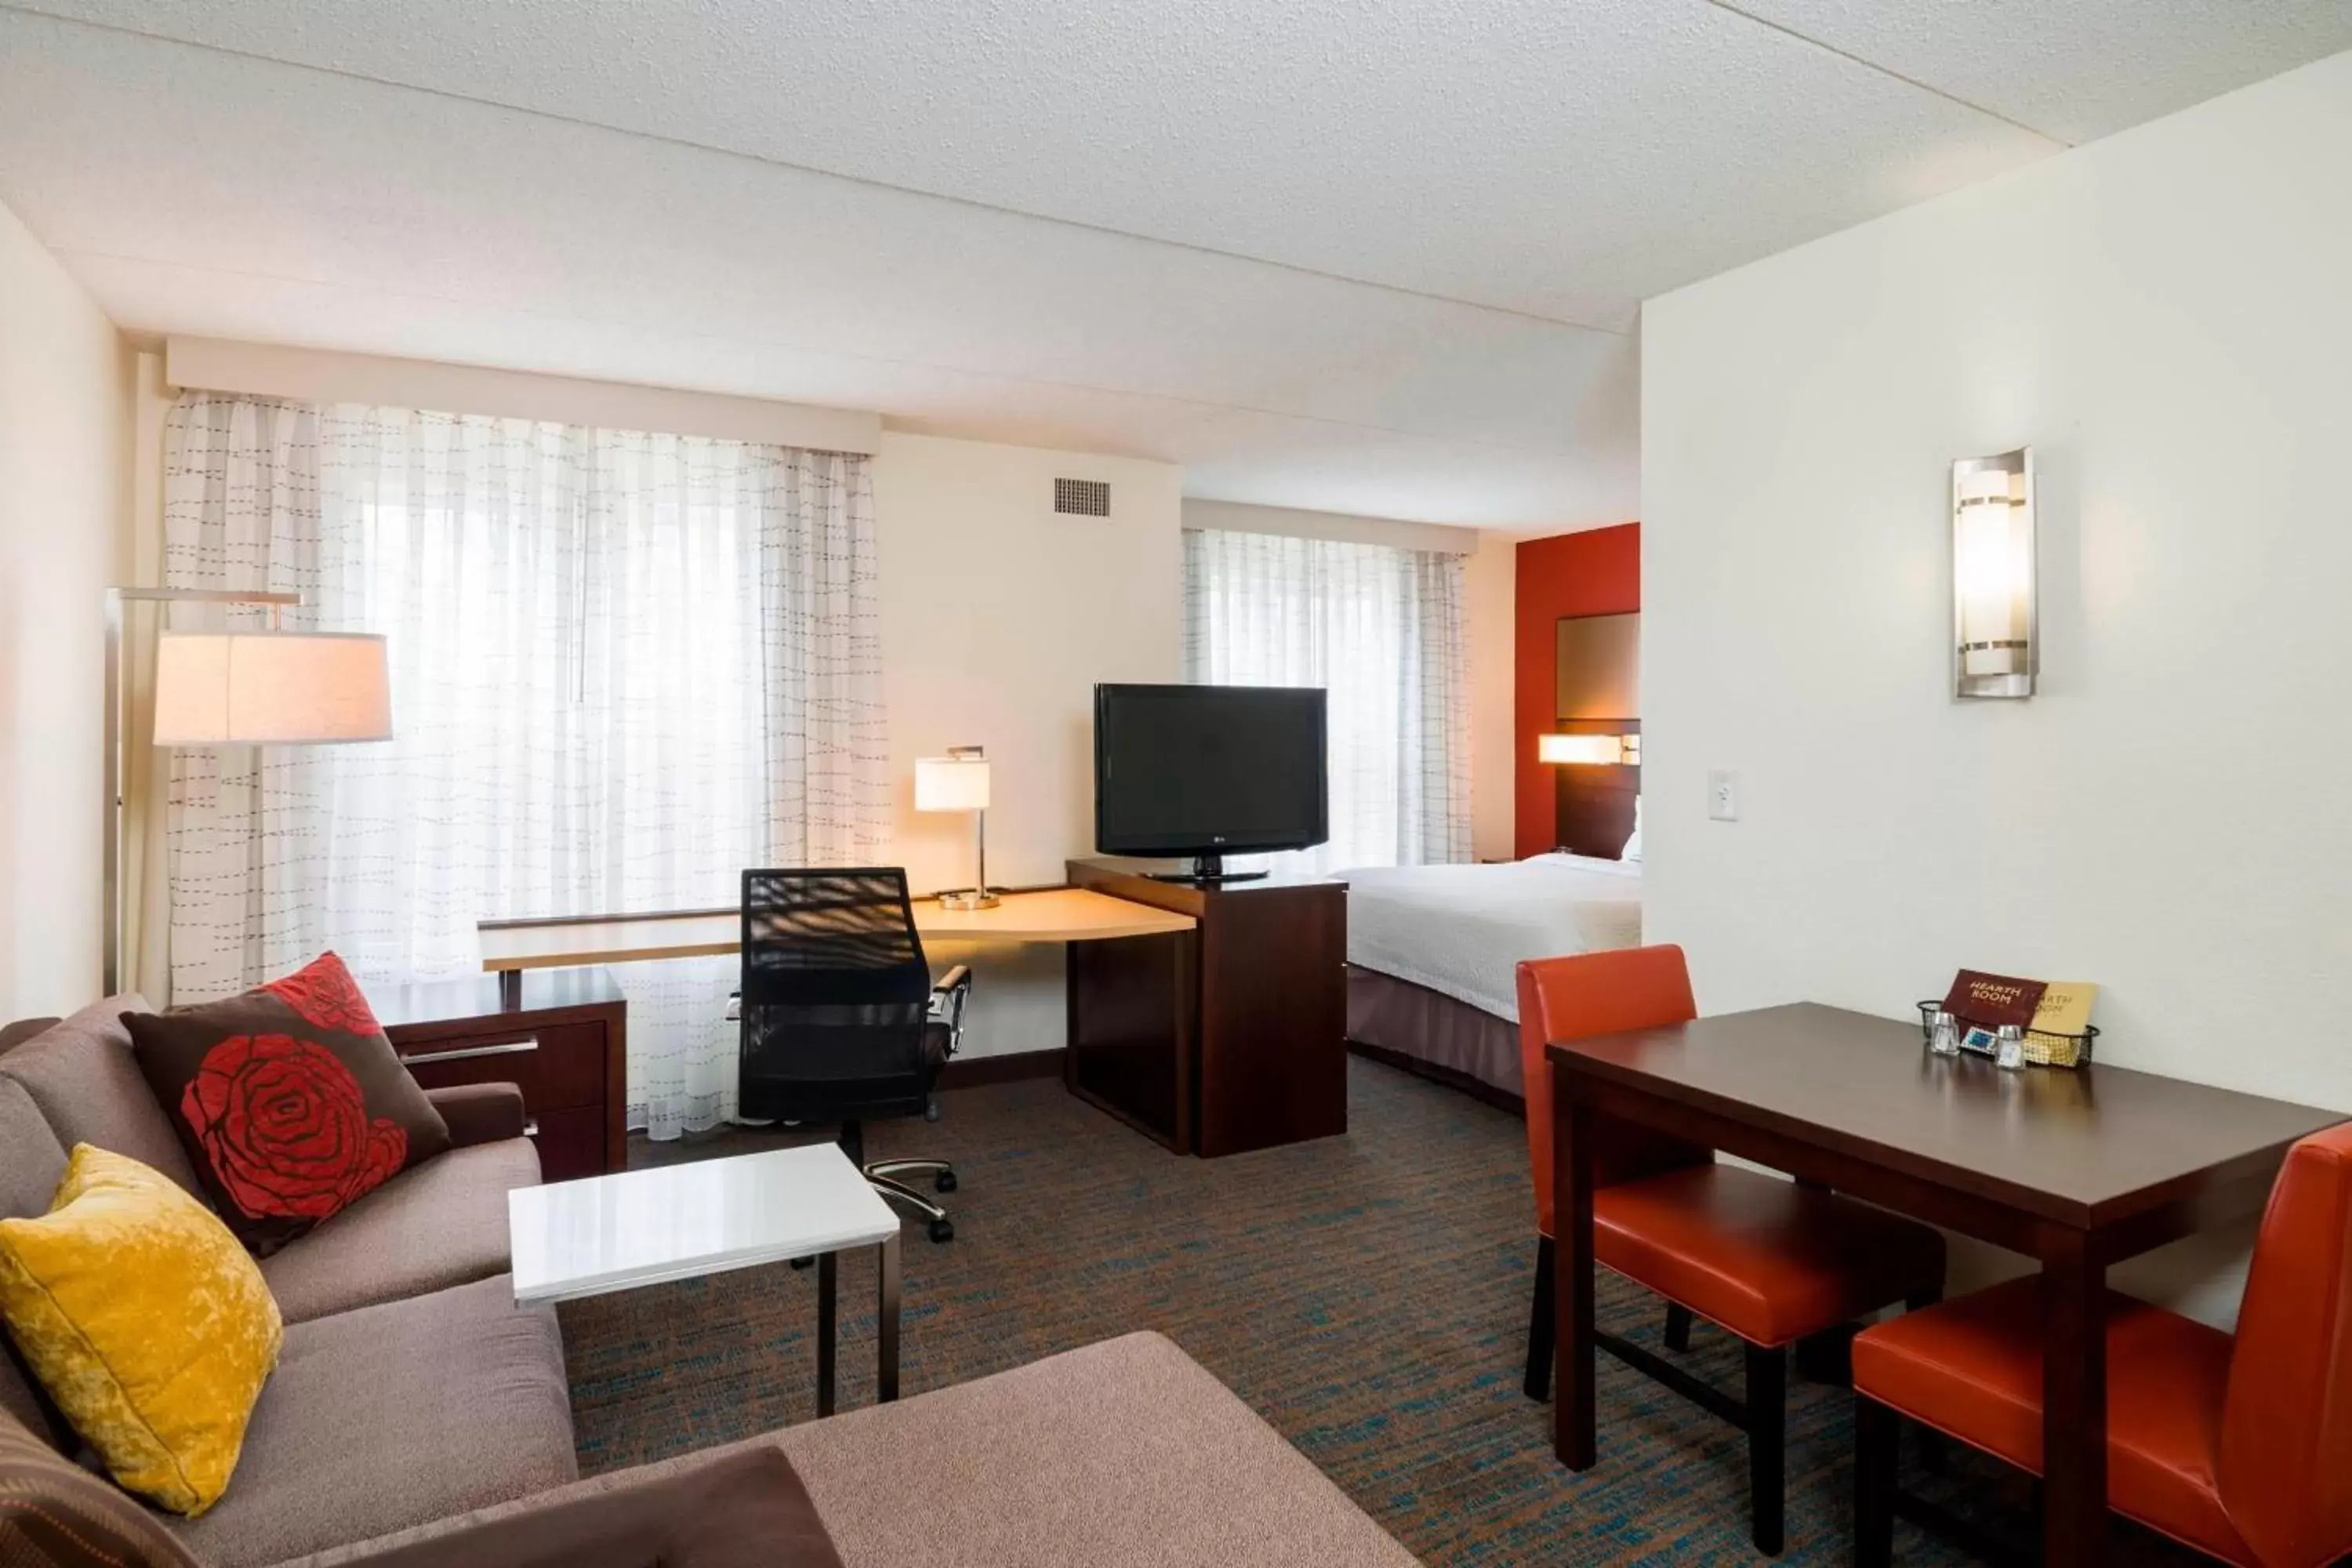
(402, 223)
(1374, 258)
(2080, 70)
(1563, 159)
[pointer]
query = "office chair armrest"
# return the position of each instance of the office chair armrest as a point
(949, 993)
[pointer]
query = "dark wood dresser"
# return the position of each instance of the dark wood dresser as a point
(565, 1043)
(1228, 1037)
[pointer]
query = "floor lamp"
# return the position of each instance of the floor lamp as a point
(237, 688)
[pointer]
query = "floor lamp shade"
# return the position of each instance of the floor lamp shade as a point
(270, 689)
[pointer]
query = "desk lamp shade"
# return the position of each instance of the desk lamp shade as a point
(957, 782)
(270, 689)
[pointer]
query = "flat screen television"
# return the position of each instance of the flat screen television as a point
(1209, 771)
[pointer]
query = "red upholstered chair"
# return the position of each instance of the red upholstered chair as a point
(2240, 1447)
(1769, 1260)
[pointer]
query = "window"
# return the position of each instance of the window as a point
(625, 667)
(1381, 630)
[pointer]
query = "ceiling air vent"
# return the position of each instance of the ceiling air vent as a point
(1082, 498)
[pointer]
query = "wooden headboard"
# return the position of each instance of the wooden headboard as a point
(1596, 690)
(1593, 806)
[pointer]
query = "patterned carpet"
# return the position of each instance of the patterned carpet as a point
(1365, 1294)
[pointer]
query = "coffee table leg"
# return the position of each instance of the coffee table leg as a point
(886, 1371)
(826, 1263)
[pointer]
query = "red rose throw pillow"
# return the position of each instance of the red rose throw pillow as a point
(290, 1100)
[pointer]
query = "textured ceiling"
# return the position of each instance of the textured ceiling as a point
(1375, 258)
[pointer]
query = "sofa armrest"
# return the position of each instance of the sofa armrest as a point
(744, 1508)
(479, 1113)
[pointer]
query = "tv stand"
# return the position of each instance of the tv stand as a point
(1208, 871)
(1256, 1052)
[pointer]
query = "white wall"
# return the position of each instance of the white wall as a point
(2165, 316)
(65, 479)
(999, 616)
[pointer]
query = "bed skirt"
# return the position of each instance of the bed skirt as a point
(1429, 1033)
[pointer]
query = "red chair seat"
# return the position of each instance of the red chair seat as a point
(1770, 1260)
(1972, 1368)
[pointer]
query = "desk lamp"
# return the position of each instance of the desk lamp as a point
(959, 782)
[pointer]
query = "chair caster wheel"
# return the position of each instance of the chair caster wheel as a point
(944, 1182)
(943, 1230)
(803, 1262)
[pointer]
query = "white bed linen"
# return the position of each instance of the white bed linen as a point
(1462, 929)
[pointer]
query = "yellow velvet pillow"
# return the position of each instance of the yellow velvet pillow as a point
(147, 1322)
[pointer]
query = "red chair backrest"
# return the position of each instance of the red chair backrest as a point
(1598, 994)
(2285, 1471)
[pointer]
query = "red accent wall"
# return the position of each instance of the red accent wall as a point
(1597, 572)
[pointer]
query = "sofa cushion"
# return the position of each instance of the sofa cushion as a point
(52, 1511)
(391, 1416)
(23, 1400)
(443, 1224)
(1121, 1454)
(83, 1077)
(291, 1102)
(32, 1161)
(1126, 1454)
(23, 1030)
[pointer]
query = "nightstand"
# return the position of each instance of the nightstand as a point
(565, 1043)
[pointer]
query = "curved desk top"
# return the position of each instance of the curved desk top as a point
(1054, 914)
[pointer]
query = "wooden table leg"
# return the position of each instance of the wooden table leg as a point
(886, 1367)
(1574, 1436)
(2073, 1401)
(828, 1264)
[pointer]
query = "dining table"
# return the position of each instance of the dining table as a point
(2077, 1168)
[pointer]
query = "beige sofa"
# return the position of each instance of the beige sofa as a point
(418, 1414)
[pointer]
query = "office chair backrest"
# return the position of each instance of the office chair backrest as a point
(1586, 994)
(836, 993)
(2286, 1468)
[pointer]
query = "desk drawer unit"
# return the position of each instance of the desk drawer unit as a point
(558, 1066)
(564, 1047)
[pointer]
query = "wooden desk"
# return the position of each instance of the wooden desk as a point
(2077, 1168)
(1135, 991)
(1054, 914)
(562, 1039)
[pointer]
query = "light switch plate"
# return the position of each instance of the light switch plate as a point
(1723, 794)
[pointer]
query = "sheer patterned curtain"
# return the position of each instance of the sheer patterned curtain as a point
(625, 667)
(1380, 628)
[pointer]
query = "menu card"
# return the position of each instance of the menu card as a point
(1991, 1001)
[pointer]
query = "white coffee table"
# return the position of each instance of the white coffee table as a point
(604, 1234)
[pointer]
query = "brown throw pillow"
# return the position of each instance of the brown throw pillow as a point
(747, 1508)
(291, 1102)
(55, 1514)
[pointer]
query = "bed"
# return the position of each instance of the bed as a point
(1433, 951)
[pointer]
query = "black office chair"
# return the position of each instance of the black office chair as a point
(840, 1019)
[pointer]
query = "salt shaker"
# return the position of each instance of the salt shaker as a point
(1944, 1035)
(2010, 1050)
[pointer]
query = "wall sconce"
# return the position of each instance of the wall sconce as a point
(1996, 649)
(1591, 751)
